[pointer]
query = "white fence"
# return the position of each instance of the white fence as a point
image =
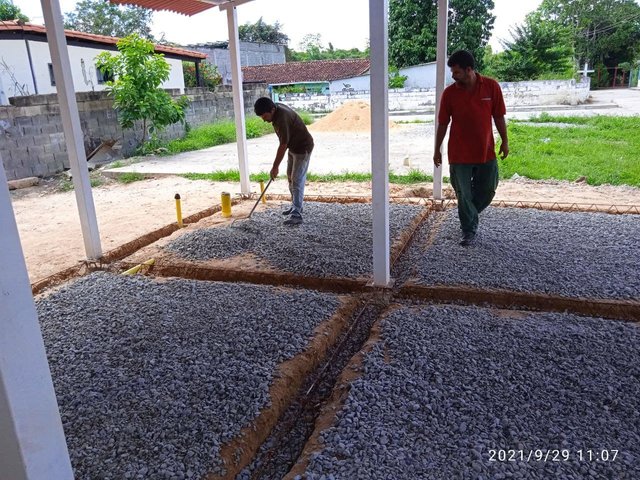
(538, 92)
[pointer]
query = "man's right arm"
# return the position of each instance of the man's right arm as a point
(440, 134)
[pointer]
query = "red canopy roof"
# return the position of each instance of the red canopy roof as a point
(186, 7)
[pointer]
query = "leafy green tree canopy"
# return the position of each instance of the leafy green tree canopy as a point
(539, 49)
(413, 29)
(105, 18)
(262, 32)
(605, 32)
(312, 48)
(8, 11)
(210, 75)
(136, 91)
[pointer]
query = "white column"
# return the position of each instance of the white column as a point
(238, 99)
(378, 20)
(32, 443)
(71, 125)
(441, 60)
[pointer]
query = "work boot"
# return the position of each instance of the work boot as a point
(288, 211)
(468, 239)
(294, 220)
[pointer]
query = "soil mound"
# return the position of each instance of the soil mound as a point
(352, 116)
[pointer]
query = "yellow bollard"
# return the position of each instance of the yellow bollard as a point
(178, 210)
(264, 197)
(226, 204)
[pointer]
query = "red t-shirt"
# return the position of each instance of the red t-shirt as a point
(471, 136)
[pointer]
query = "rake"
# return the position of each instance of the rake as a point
(255, 205)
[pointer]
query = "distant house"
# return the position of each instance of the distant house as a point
(334, 76)
(315, 76)
(26, 68)
(251, 54)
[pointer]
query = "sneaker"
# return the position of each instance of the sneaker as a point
(468, 238)
(293, 221)
(288, 211)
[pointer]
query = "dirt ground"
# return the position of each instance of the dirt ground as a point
(51, 235)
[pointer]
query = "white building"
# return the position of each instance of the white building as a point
(419, 77)
(26, 68)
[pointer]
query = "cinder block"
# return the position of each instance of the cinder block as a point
(24, 142)
(35, 151)
(62, 157)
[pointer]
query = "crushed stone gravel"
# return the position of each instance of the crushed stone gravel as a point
(448, 387)
(593, 255)
(333, 241)
(153, 377)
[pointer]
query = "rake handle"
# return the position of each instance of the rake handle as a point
(260, 197)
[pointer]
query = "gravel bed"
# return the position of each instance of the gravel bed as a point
(593, 255)
(446, 385)
(333, 241)
(153, 377)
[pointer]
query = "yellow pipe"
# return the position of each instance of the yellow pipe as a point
(226, 204)
(137, 268)
(178, 210)
(264, 197)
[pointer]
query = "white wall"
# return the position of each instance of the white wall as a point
(422, 76)
(418, 77)
(14, 53)
(354, 84)
(539, 92)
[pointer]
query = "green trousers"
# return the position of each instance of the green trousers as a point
(475, 186)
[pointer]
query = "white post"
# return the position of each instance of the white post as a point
(32, 443)
(71, 126)
(441, 59)
(238, 99)
(378, 20)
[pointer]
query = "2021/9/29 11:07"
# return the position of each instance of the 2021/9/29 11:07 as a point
(553, 455)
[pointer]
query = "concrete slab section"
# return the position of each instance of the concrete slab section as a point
(157, 379)
(334, 241)
(586, 255)
(465, 392)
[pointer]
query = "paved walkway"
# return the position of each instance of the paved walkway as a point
(410, 145)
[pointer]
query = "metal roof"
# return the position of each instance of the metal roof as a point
(185, 7)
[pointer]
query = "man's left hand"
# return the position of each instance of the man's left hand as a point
(504, 150)
(274, 173)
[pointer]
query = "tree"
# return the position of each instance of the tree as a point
(311, 48)
(413, 29)
(262, 32)
(209, 73)
(539, 49)
(136, 91)
(8, 11)
(604, 32)
(105, 18)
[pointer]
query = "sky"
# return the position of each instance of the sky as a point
(344, 23)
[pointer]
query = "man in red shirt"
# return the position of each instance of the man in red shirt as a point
(470, 103)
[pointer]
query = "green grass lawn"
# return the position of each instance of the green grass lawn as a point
(414, 176)
(603, 149)
(219, 133)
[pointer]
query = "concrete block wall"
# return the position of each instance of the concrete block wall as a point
(32, 141)
(538, 92)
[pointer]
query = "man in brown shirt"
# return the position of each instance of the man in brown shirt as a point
(294, 136)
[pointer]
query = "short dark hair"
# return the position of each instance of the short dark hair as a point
(263, 105)
(463, 59)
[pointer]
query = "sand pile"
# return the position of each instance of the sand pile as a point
(352, 116)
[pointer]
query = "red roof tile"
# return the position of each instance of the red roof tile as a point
(315, 71)
(103, 39)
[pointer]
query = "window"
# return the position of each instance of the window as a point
(104, 76)
(53, 79)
